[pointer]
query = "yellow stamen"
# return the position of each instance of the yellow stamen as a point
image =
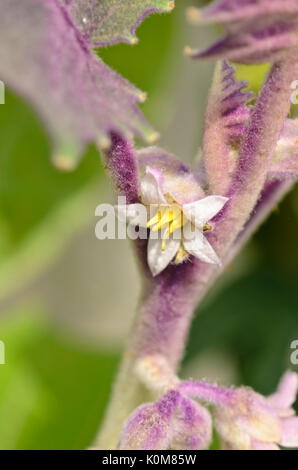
(170, 214)
(177, 223)
(155, 219)
(207, 227)
(166, 218)
(164, 240)
(174, 224)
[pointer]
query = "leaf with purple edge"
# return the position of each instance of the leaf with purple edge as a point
(232, 11)
(225, 121)
(233, 102)
(106, 22)
(256, 32)
(44, 57)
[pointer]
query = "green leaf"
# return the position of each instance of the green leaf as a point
(106, 22)
(78, 97)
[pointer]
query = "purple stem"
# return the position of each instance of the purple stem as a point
(165, 314)
(170, 299)
(263, 132)
(208, 392)
(121, 163)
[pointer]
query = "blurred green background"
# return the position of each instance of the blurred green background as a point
(67, 300)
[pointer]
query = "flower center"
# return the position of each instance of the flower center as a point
(170, 217)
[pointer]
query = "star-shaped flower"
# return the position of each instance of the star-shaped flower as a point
(176, 228)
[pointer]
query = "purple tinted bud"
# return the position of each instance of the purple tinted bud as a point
(245, 420)
(146, 429)
(193, 426)
(174, 421)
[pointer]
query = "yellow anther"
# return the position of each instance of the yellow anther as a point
(155, 219)
(166, 235)
(169, 218)
(175, 224)
(164, 240)
(166, 218)
(207, 227)
(181, 255)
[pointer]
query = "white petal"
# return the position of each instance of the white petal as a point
(158, 260)
(201, 248)
(201, 211)
(151, 187)
(133, 214)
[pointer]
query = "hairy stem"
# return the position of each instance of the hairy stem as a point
(162, 325)
(263, 132)
(169, 300)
